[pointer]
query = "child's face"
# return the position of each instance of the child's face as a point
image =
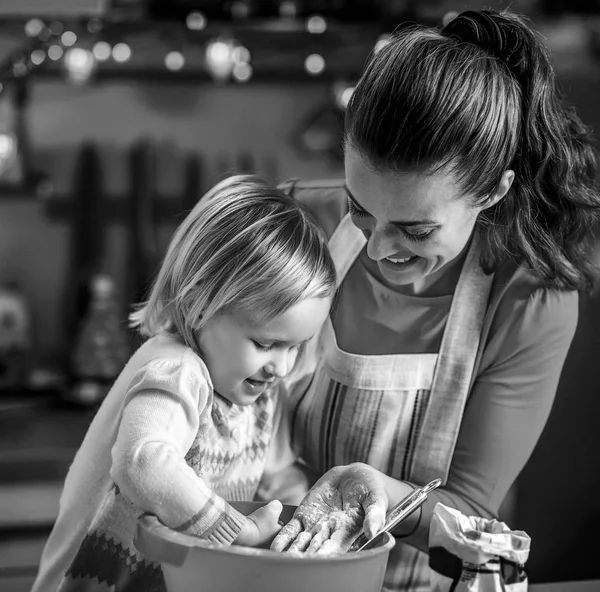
(244, 359)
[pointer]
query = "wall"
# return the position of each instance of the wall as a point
(218, 121)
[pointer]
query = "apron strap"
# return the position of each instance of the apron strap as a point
(345, 244)
(453, 374)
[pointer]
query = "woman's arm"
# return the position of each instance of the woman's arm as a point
(507, 409)
(504, 417)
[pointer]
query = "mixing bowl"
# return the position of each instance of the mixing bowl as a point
(190, 564)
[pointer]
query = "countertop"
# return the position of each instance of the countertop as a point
(38, 438)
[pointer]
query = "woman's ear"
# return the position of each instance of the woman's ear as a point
(504, 185)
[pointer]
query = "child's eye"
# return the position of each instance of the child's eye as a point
(354, 211)
(418, 237)
(261, 346)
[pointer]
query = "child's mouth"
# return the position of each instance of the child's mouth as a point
(256, 386)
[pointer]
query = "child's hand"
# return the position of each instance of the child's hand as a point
(261, 526)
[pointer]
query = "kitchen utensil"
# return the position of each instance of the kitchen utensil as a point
(86, 248)
(142, 221)
(397, 514)
(194, 179)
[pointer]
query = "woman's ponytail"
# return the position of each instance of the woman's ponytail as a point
(549, 217)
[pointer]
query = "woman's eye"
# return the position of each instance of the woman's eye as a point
(418, 237)
(354, 211)
(261, 346)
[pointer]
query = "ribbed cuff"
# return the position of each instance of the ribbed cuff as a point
(227, 527)
(224, 529)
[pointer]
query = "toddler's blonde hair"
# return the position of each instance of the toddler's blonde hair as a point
(246, 246)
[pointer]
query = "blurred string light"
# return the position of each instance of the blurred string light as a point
(55, 52)
(38, 56)
(240, 54)
(94, 25)
(314, 64)
(34, 27)
(242, 72)
(449, 16)
(195, 21)
(102, 51)
(343, 93)
(174, 61)
(121, 52)
(68, 38)
(20, 68)
(240, 9)
(381, 42)
(219, 58)
(8, 151)
(316, 24)
(288, 9)
(225, 58)
(56, 28)
(79, 64)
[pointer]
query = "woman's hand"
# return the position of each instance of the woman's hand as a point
(342, 503)
(261, 526)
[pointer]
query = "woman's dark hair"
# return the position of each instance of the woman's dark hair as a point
(480, 96)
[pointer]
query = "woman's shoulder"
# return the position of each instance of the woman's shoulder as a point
(525, 313)
(325, 199)
(515, 284)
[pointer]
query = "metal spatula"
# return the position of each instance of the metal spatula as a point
(397, 514)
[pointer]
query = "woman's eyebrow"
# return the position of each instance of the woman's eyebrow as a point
(405, 223)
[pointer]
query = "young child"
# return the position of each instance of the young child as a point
(185, 429)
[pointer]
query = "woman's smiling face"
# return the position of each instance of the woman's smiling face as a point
(415, 224)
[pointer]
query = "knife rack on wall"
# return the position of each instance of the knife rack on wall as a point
(147, 189)
(197, 173)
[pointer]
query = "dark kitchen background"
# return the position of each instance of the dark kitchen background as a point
(115, 116)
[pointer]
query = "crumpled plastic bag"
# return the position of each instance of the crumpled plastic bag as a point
(474, 554)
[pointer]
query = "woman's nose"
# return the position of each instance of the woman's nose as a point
(379, 244)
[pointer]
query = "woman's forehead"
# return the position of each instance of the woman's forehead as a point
(417, 192)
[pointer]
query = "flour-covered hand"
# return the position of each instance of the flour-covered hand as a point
(343, 503)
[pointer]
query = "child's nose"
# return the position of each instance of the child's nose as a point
(278, 366)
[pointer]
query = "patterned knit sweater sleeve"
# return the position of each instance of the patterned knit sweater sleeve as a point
(160, 421)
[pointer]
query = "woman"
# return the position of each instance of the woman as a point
(460, 237)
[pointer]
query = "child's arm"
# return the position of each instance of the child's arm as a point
(159, 424)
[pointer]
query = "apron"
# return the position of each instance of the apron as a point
(400, 414)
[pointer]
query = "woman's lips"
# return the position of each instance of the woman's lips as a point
(400, 259)
(399, 263)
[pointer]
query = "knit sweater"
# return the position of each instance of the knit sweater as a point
(162, 442)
